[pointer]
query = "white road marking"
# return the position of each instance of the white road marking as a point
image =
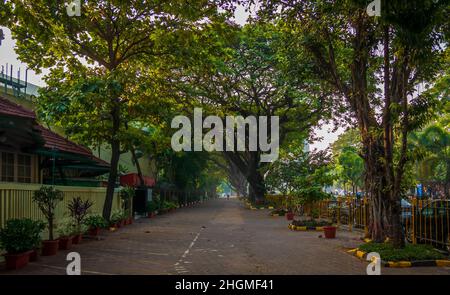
(181, 269)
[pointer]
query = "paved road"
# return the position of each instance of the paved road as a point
(217, 237)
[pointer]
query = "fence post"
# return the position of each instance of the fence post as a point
(339, 212)
(350, 213)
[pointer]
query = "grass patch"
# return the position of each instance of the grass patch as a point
(409, 253)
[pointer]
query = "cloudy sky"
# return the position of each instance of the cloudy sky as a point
(8, 56)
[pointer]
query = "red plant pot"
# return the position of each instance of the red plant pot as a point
(65, 243)
(330, 232)
(130, 220)
(50, 247)
(16, 261)
(290, 216)
(94, 231)
(34, 255)
(77, 239)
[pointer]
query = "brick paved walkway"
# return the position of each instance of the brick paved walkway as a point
(217, 237)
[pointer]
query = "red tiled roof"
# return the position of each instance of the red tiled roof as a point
(52, 139)
(12, 109)
(56, 141)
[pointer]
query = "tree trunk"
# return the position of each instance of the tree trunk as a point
(138, 167)
(115, 157)
(50, 229)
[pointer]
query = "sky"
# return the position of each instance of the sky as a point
(8, 56)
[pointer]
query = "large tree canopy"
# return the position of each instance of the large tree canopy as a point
(375, 66)
(102, 62)
(260, 73)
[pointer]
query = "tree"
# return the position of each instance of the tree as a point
(100, 77)
(352, 167)
(254, 76)
(374, 66)
(301, 175)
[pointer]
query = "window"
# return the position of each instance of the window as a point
(7, 167)
(24, 168)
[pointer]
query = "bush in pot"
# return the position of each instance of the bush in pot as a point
(19, 238)
(94, 224)
(78, 210)
(127, 194)
(47, 197)
(66, 232)
(116, 218)
(152, 207)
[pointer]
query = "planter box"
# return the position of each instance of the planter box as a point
(65, 243)
(50, 248)
(77, 239)
(16, 261)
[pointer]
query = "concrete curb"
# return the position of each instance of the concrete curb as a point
(305, 228)
(399, 264)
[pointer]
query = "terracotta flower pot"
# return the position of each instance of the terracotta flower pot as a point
(130, 220)
(65, 243)
(94, 231)
(16, 261)
(290, 216)
(34, 255)
(77, 239)
(50, 247)
(330, 232)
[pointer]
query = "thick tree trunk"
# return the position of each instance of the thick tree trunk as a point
(385, 201)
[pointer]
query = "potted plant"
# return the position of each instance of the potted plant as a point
(78, 210)
(65, 232)
(126, 195)
(152, 207)
(19, 238)
(116, 219)
(47, 197)
(37, 240)
(94, 224)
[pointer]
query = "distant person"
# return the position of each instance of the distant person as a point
(228, 196)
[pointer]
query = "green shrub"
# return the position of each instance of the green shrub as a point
(409, 253)
(66, 229)
(152, 206)
(21, 235)
(95, 221)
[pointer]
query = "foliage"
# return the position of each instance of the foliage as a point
(20, 235)
(78, 210)
(117, 216)
(47, 197)
(301, 175)
(66, 228)
(123, 44)
(95, 221)
(152, 206)
(374, 66)
(409, 253)
(126, 195)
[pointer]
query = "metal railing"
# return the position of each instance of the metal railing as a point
(423, 221)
